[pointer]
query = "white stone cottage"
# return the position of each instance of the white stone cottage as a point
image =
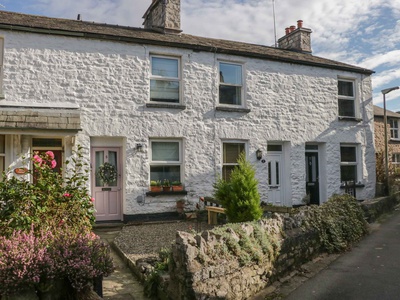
(159, 104)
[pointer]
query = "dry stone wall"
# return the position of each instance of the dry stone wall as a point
(204, 268)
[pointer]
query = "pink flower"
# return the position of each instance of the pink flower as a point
(37, 159)
(67, 195)
(53, 163)
(92, 199)
(50, 154)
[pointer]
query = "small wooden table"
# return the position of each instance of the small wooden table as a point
(213, 212)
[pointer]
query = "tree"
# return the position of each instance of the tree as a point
(239, 195)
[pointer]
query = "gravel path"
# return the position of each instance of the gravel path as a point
(139, 241)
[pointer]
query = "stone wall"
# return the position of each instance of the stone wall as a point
(202, 271)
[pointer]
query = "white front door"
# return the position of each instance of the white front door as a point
(275, 193)
(106, 183)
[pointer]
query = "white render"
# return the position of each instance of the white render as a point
(290, 104)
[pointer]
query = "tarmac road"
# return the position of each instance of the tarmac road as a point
(370, 271)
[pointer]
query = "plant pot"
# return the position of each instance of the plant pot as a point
(166, 188)
(155, 189)
(177, 188)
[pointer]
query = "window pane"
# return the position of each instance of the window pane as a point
(229, 73)
(230, 95)
(232, 151)
(166, 67)
(345, 88)
(346, 108)
(165, 151)
(172, 173)
(99, 161)
(112, 159)
(164, 91)
(277, 148)
(2, 144)
(348, 154)
(46, 142)
(348, 173)
(226, 172)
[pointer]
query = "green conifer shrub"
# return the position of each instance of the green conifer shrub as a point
(239, 195)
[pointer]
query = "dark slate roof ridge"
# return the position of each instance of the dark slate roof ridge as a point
(88, 29)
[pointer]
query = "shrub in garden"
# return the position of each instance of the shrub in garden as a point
(339, 222)
(45, 229)
(239, 196)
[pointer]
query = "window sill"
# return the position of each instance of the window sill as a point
(165, 105)
(353, 119)
(233, 109)
(395, 140)
(154, 194)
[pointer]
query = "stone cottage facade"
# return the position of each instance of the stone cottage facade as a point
(393, 136)
(158, 104)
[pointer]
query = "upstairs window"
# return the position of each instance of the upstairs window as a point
(231, 153)
(346, 95)
(230, 84)
(166, 160)
(1, 66)
(348, 163)
(165, 79)
(394, 129)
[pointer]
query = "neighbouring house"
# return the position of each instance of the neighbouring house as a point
(154, 104)
(393, 141)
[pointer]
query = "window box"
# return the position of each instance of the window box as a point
(170, 193)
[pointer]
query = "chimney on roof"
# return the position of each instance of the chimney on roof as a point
(296, 39)
(163, 16)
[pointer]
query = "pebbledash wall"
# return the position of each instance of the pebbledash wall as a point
(108, 83)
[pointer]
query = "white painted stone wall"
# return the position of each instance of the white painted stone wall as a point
(289, 103)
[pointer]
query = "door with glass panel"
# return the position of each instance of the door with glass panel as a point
(275, 168)
(312, 177)
(106, 183)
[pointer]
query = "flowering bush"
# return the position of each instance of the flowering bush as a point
(45, 228)
(29, 259)
(49, 201)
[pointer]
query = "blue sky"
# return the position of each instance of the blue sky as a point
(365, 33)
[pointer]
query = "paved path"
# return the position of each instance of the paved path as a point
(122, 284)
(370, 271)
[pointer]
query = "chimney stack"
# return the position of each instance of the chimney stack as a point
(296, 39)
(163, 16)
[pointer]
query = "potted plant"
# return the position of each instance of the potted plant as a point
(180, 205)
(166, 185)
(177, 186)
(155, 186)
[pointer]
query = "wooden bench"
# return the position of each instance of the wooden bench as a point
(213, 212)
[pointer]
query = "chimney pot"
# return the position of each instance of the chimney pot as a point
(287, 30)
(299, 23)
(292, 28)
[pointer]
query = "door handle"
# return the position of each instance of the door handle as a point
(274, 187)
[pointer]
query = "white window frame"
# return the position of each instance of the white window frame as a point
(1, 66)
(245, 144)
(167, 163)
(242, 85)
(352, 98)
(394, 131)
(396, 160)
(356, 163)
(165, 78)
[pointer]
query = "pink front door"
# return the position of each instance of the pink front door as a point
(106, 183)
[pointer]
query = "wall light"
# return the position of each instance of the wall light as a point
(259, 154)
(139, 147)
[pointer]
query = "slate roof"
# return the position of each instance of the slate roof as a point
(58, 26)
(378, 112)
